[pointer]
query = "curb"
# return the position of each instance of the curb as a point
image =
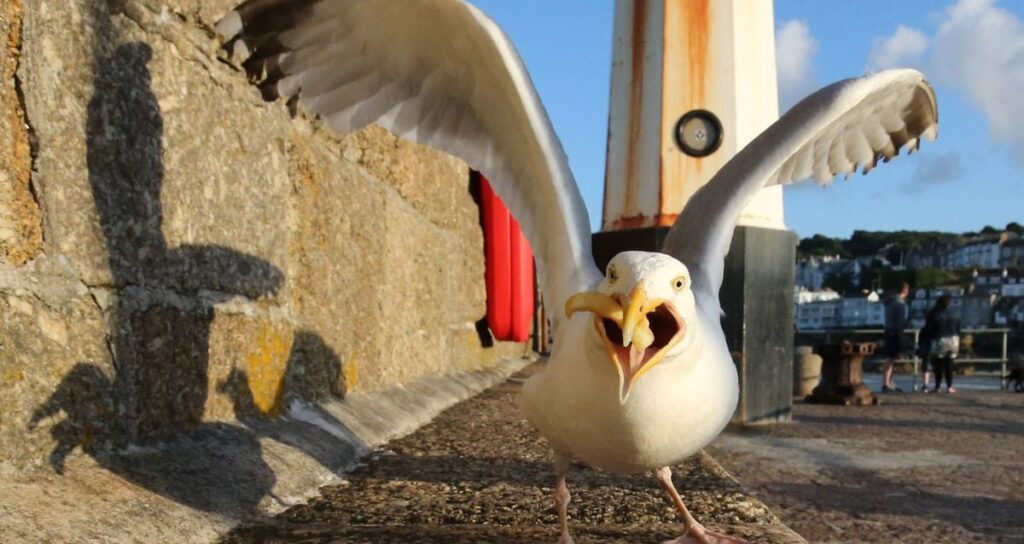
(196, 487)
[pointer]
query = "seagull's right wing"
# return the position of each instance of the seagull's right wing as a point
(437, 72)
(846, 126)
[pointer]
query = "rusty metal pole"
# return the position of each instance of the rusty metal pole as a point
(712, 59)
(692, 82)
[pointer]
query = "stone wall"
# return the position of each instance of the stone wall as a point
(175, 252)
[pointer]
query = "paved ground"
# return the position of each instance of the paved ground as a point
(480, 473)
(918, 468)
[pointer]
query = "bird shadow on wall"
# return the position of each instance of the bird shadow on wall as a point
(160, 322)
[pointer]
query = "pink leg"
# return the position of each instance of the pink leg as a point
(562, 498)
(695, 532)
(887, 373)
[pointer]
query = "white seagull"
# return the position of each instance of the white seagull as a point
(639, 376)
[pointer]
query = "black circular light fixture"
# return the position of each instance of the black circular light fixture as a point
(699, 133)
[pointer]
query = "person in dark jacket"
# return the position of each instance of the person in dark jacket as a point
(942, 327)
(895, 322)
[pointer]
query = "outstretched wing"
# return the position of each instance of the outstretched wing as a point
(437, 72)
(839, 129)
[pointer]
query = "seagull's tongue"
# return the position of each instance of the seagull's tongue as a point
(643, 337)
(636, 359)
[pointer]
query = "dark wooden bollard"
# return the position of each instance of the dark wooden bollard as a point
(842, 375)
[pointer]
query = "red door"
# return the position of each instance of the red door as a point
(509, 270)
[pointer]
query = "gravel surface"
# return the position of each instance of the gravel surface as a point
(918, 468)
(480, 473)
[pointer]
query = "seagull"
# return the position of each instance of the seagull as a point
(639, 376)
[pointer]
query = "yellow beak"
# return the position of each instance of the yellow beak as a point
(598, 303)
(636, 329)
(637, 335)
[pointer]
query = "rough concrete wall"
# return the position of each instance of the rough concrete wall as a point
(175, 252)
(21, 233)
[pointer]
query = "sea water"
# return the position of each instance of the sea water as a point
(906, 383)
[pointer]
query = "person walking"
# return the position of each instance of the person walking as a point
(895, 322)
(943, 328)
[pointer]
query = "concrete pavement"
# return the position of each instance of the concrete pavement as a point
(480, 473)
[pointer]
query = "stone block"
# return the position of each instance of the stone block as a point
(171, 354)
(391, 287)
(206, 12)
(21, 231)
(249, 364)
(56, 379)
(207, 257)
(337, 252)
(432, 182)
(142, 154)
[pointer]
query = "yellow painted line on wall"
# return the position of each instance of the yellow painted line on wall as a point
(351, 373)
(266, 366)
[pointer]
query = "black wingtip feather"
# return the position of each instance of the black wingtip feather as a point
(268, 89)
(262, 22)
(261, 17)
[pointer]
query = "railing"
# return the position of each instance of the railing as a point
(1003, 360)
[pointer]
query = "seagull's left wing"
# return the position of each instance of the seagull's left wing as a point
(437, 72)
(839, 129)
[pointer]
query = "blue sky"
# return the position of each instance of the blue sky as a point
(971, 50)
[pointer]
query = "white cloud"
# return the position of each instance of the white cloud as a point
(979, 51)
(794, 48)
(904, 48)
(934, 170)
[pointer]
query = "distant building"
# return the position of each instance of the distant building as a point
(977, 307)
(811, 272)
(861, 310)
(1012, 254)
(923, 300)
(978, 253)
(816, 309)
(806, 296)
(817, 315)
(980, 299)
(1009, 312)
(929, 256)
(1014, 287)
(995, 296)
(1005, 249)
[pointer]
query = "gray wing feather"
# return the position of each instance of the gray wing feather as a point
(839, 129)
(437, 72)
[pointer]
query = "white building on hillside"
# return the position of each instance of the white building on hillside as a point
(861, 311)
(981, 253)
(802, 295)
(817, 310)
(811, 272)
(817, 315)
(1012, 253)
(924, 299)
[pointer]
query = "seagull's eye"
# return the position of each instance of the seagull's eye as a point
(679, 283)
(613, 275)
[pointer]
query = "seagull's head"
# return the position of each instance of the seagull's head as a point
(644, 313)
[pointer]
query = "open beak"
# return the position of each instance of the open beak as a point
(636, 332)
